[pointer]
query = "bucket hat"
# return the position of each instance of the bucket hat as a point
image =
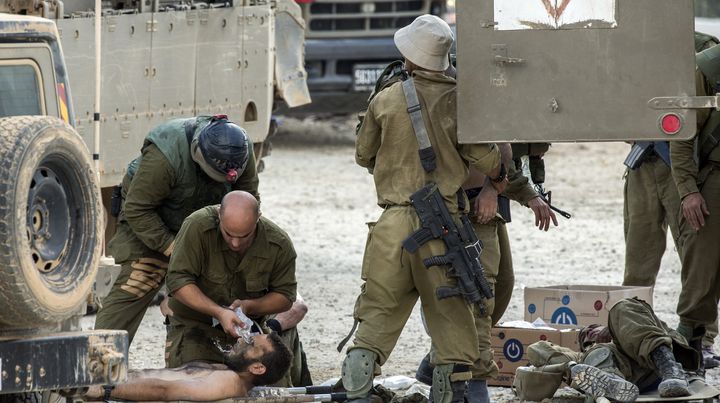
(426, 42)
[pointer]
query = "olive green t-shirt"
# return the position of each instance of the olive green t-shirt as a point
(202, 257)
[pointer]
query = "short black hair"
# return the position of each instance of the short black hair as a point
(276, 362)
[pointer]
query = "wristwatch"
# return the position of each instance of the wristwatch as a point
(502, 175)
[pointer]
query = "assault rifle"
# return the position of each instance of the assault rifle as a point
(463, 247)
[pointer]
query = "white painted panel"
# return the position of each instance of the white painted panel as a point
(554, 14)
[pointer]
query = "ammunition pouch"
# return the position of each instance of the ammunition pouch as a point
(538, 383)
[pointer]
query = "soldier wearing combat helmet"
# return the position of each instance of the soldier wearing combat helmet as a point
(186, 164)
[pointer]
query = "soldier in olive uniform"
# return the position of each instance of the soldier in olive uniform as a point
(651, 205)
(696, 170)
(636, 352)
(490, 228)
(227, 256)
(394, 278)
(185, 164)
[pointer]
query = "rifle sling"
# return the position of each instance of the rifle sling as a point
(427, 154)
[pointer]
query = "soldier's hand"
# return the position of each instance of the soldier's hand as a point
(229, 321)
(486, 204)
(695, 209)
(543, 213)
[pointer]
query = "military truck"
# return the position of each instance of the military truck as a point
(61, 96)
(349, 42)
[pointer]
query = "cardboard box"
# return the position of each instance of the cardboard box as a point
(578, 305)
(510, 346)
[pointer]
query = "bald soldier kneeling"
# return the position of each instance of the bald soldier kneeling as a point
(264, 361)
(227, 257)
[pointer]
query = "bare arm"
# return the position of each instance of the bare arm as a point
(272, 302)
(194, 298)
(215, 386)
(290, 318)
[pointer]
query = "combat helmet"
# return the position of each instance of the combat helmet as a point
(222, 149)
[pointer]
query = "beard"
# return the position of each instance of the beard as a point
(236, 358)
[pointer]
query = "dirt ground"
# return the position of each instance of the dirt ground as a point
(312, 188)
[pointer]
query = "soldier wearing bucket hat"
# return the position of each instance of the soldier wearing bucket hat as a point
(407, 142)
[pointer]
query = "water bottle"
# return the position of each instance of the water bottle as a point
(244, 332)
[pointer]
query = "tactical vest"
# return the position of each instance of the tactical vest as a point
(192, 188)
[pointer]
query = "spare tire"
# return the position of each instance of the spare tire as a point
(50, 221)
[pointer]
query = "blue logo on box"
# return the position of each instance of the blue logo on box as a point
(563, 316)
(513, 350)
(532, 308)
(565, 299)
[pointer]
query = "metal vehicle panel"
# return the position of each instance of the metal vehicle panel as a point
(349, 37)
(125, 110)
(173, 72)
(290, 74)
(258, 69)
(578, 80)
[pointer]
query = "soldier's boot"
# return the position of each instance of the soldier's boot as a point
(424, 372)
(674, 383)
(477, 391)
(710, 359)
(597, 383)
(358, 371)
(449, 383)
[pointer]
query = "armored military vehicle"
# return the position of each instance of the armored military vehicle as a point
(349, 43)
(61, 96)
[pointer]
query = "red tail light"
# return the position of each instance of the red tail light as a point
(671, 123)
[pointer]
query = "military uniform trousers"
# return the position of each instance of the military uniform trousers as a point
(491, 258)
(394, 279)
(192, 341)
(505, 280)
(636, 332)
(134, 289)
(651, 205)
(700, 274)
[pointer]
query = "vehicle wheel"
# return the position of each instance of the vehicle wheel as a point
(50, 221)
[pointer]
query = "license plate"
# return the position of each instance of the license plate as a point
(365, 76)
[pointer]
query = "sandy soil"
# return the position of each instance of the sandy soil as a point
(313, 189)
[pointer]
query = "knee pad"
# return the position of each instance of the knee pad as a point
(357, 372)
(448, 384)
